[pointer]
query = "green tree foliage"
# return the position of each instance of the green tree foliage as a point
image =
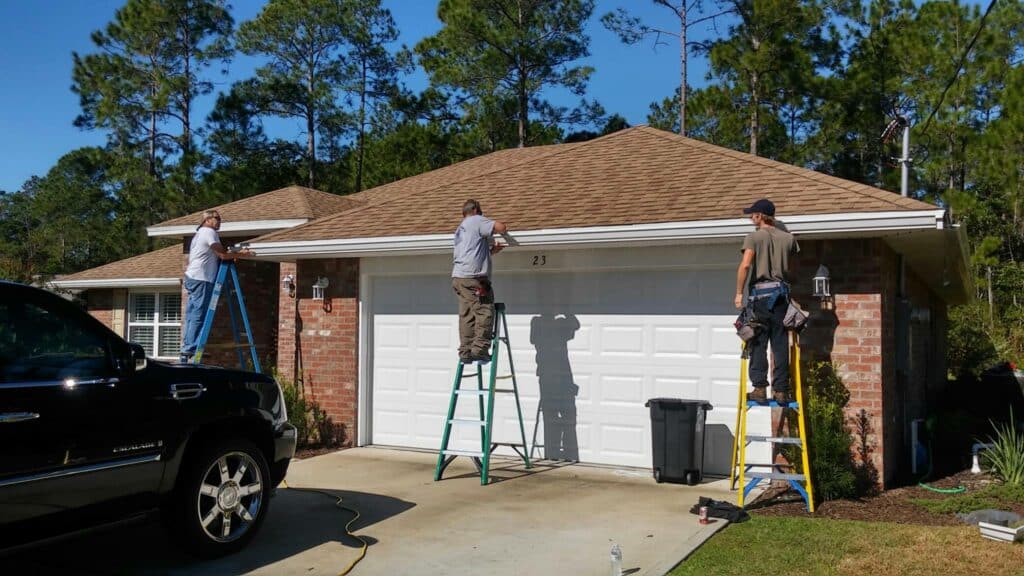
(60, 222)
(632, 30)
(500, 55)
(143, 81)
(302, 41)
(372, 69)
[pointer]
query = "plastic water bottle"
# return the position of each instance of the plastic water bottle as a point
(616, 557)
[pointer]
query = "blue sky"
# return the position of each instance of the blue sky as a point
(37, 38)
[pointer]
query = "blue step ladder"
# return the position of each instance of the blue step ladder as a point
(227, 275)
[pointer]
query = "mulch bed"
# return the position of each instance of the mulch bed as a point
(309, 452)
(891, 506)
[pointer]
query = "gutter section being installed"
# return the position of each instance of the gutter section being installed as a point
(823, 225)
(229, 228)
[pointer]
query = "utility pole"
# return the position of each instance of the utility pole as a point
(904, 160)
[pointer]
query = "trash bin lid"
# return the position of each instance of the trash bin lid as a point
(663, 401)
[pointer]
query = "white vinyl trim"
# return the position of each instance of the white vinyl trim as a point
(824, 225)
(232, 228)
(117, 283)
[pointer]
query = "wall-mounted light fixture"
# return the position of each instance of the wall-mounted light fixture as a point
(320, 288)
(288, 285)
(822, 286)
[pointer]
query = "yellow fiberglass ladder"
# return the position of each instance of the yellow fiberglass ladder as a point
(740, 470)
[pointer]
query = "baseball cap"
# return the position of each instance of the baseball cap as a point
(762, 206)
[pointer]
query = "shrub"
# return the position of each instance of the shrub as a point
(829, 440)
(312, 425)
(1006, 456)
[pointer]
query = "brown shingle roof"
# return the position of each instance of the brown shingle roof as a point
(293, 202)
(636, 176)
(163, 263)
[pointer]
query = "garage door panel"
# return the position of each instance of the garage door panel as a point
(589, 349)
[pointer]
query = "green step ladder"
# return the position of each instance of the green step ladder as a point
(227, 275)
(482, 458)
(740, 470)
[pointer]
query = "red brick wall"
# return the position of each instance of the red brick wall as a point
(100, 303)
(319, 339)
(860, 336)
(852, 335)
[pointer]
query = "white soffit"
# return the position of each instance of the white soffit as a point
(117, 283)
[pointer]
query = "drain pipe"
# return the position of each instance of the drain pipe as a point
(975, 449)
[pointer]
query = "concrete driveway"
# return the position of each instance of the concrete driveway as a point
(554, 519)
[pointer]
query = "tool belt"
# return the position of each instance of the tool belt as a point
(484, 288)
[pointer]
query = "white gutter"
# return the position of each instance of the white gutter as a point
(117, 283)
(230, 228)
(832, 225)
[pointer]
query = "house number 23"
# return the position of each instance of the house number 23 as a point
(540, 260)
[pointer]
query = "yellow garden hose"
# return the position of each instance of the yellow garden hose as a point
(348, 531)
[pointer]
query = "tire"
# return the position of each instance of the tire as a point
(215, 510)
(692, 478)
(657, 475)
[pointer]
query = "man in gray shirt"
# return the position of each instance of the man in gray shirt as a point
(764, 268)
(474, 244)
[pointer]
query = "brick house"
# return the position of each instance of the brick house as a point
(619, 290)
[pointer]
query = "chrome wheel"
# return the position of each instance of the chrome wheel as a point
(230, 497)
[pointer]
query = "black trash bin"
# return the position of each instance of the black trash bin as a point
(677, 435)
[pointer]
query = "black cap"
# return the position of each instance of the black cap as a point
(762, 206)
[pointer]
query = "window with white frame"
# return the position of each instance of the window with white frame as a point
(154, 322)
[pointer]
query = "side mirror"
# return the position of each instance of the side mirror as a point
(138, 357)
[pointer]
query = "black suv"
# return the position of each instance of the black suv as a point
(92, 432)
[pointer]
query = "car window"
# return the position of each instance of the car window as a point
(40, 343)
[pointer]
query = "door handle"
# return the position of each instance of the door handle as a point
(10, 417)
(186, 391)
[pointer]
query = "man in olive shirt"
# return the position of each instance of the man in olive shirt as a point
(766, 251)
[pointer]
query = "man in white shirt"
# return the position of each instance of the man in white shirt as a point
(204, 256)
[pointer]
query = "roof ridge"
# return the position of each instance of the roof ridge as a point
(558, 149)
(807, 173)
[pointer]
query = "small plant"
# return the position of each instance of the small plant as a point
(1006, 455)
(313, 425)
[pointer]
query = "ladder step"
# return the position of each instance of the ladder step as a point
(508, 444)
(470, 375)
(772, 404)
(471, 392)
(505, 377)
(503, 390)
(775, 476)
(463, 453)
(775, 439)
(465, 422)
(750, 465)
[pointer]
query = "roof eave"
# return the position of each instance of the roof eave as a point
(820, 225)
(239, 228)
(70, 284)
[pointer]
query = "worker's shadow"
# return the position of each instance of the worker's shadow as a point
(550, 335)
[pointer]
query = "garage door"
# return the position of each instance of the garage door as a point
(590, 346)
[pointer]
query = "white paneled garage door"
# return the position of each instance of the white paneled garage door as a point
(594, 334)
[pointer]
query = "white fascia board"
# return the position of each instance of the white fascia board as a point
(825, 225)
(117, 283)
(230, 228)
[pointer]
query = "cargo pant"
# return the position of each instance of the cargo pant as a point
(476, 315)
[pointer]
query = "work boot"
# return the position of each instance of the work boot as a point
(759, 395)
(782, 398)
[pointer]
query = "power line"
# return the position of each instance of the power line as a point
(960, 65)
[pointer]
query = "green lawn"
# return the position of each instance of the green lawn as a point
(788, 546)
